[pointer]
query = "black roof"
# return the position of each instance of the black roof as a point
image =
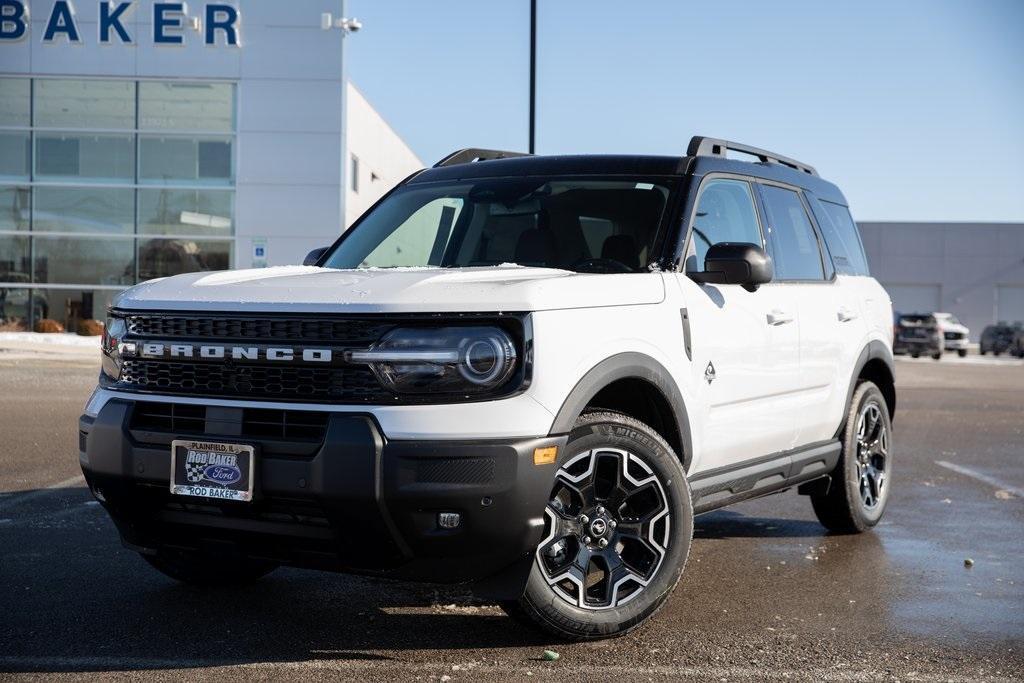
(630, 165)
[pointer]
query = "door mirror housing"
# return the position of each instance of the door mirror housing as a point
(735, 263)
(314, 256)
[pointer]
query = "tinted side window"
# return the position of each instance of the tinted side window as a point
(840, 233)
(725, 213)
(795, 248)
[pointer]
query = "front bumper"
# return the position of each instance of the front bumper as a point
(956, 343)
(350, 501)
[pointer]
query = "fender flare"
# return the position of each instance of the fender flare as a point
(628, 365)
(875, 350)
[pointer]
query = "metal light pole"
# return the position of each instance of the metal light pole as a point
(533, 73)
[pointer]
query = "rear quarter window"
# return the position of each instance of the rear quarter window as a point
(842, 237)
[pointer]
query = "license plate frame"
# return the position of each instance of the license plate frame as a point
(208, 469)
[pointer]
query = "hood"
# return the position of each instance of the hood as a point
(392, 290)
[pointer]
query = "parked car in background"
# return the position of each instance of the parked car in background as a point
(955, 334)
(918, 334)
(1017, 345)
(998, 338)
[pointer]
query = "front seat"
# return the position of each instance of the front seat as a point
(621, 248)
(535, 247)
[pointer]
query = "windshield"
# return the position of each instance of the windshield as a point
(586, 225)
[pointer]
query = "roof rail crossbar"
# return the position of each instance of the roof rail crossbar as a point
(469, 155)
(701, 146)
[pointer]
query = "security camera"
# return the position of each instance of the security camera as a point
(351, 25)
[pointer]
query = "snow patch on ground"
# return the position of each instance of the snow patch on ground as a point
(56, 339)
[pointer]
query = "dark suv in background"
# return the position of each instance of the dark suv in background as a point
(1000, 338)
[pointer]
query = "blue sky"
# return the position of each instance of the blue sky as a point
(916, 109)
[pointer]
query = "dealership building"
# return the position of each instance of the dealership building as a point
(140, 139)
(143, 139)
(972, 270)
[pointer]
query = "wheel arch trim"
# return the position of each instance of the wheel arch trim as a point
(873, 350)
(627, 365)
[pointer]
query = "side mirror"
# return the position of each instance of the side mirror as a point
(314, 256)
(735, 263)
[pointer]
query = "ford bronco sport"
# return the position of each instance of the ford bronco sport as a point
(524, 373)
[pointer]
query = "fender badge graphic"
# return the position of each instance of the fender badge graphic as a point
(709, 372)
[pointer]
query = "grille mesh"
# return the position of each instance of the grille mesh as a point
(255, 381)
(295, 330)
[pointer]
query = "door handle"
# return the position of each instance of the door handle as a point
(845, 314)
(779, 317)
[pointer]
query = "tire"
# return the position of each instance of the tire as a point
(915, 354)
(616, 461)
(209, 571)
(982, 351)
(937, 356)
(962, 353)
(846, 507)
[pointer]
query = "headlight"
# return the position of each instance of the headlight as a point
(469, 360)
(114, 347)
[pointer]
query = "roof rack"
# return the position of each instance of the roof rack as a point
(701, 146)
(471, 154)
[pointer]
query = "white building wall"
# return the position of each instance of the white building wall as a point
(384, 159)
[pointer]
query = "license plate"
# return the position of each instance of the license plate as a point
(208, 469)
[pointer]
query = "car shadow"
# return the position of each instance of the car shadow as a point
(75, 600)
(722, 524)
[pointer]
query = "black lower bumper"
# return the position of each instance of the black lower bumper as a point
(348, 500)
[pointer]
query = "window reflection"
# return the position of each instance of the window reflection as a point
(84, 261)
(164, 257)
(170, 160)
(14, 208)
(14, 101)
(72, 209)
(85, 156)
(84, 103)
(186, 106)
(186, 212)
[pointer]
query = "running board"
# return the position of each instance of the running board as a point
(773, 473)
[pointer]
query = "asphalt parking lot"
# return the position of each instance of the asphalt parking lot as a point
(768, 594)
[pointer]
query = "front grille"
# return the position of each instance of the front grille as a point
(954, 335)
(254, 423)
(355, 331)
(261, 379)
(258, 381)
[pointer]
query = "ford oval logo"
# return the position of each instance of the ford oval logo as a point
(222, 474)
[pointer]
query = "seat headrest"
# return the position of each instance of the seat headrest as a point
(621, 248)
(535, 248)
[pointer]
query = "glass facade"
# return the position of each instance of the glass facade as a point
(105, 183)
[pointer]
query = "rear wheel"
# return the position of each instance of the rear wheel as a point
(861, 481)
(961, 352)
(937, 355)
(618, 528)
(209, 571)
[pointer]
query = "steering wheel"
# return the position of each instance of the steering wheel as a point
(600, 265)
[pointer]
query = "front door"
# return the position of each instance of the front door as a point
(744, 345)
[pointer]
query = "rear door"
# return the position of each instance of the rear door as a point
(744, 347)
(828, 313)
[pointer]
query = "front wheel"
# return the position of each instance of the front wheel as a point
(862, 479)
(618, 528)
(962, 353)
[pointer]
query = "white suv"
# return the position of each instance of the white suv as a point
(955, 335)
(523, 373)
